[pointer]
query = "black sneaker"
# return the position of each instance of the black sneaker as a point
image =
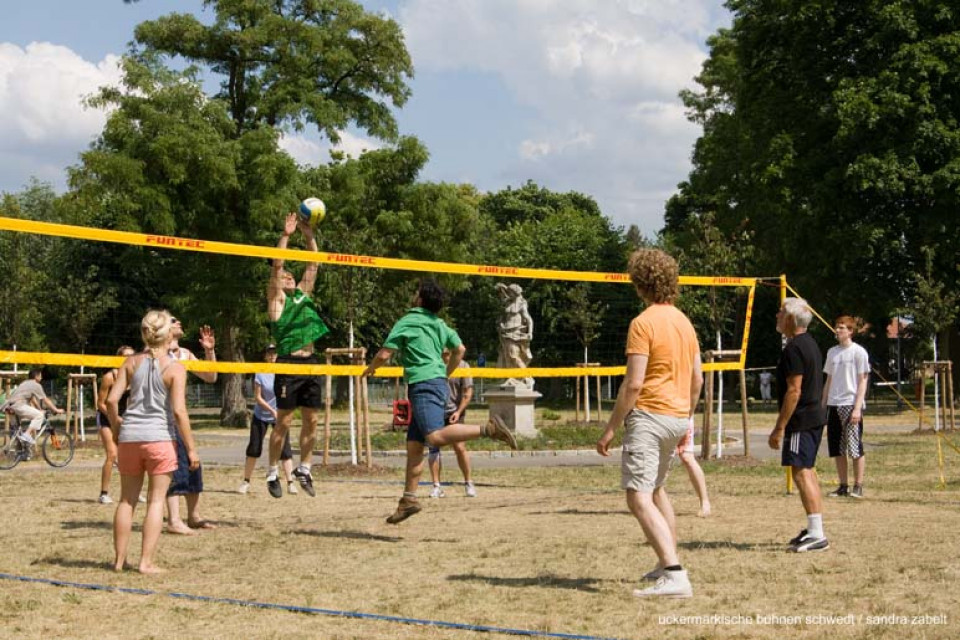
(305, 481)
(273, 486)
(800, 536)
(840, 492)
(809, 543)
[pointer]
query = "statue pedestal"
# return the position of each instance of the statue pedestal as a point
(515, 406)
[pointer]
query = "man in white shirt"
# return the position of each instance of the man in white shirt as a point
(25, 401)
(848, 368)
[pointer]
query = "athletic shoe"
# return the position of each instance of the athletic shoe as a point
(27, 439)
(469, 490)
(497, 429)
(303, 475)
(809, 543)
(437, 492)
(800, 536)
(654, 574)
(856, 492)
(840, 492)
(292, 488)
(672, 584)
(142, 499)
(273, 486)
(244, 487)
(105, 499)
(407, 507)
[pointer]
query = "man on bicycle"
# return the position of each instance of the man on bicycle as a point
(25, 401)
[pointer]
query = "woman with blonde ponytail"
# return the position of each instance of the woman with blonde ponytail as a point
(145, 435)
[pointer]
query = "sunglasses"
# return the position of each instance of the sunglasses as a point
(174, 321)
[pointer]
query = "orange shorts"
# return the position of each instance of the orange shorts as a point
(686, 442)
(156, 458)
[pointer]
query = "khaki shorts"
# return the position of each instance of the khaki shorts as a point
(649, 444)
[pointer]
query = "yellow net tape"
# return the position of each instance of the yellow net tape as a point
(344, 259)
(107, 362)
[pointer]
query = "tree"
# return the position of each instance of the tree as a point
(173, 160)
(830, 135)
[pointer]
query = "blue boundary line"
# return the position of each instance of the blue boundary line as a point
(314, 610)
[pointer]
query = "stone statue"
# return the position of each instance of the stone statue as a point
(516, 332)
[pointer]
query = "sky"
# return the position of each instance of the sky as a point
(576, 95)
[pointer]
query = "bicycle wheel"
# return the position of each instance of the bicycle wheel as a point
(57, 448)
(10, 455)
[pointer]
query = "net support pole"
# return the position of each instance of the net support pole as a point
(743, 413)
(707, 414)
(328, 408)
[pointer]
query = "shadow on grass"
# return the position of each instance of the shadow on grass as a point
(580, 512)
(72, 525)
(345, 535)
(549, 581)
(74, 563)
(727, 544)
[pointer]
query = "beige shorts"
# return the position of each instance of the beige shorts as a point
(649, 444)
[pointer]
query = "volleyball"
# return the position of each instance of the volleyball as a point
(312, 210)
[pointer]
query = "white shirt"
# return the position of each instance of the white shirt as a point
(845, 366)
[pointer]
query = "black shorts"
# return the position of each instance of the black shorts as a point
(294, 391)
(258, 430)
(185, 481)
(843, 438)
(800, 448)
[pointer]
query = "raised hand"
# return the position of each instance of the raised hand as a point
(207, 340)
(290, 224)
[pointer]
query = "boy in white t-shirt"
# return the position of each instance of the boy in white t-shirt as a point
(847, 367)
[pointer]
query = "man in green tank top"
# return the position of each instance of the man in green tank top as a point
(295, 325)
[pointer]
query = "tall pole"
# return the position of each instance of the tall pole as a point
(899, 367)
(783, 344)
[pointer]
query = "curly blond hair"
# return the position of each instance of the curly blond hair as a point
(655, 275)
(155, 329)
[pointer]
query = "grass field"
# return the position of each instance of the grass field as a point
(543, 549)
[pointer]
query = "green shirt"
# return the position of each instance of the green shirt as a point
(299, 324)
(420, 337)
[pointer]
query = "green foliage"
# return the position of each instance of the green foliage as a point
(831, 139)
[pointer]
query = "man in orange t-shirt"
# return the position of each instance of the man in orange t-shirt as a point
(656, 402)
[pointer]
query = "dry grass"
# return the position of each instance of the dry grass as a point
(548, 549)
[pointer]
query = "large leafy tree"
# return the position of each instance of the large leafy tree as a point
(177, 161)
(831, 136)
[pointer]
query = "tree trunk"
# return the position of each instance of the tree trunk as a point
(234, 411)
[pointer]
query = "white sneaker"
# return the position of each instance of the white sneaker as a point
(672, 584)
(244, 487)
(142, 499)
(26, 438)
(292, 488)
(469, 490)
(105, 499)
(437, 492)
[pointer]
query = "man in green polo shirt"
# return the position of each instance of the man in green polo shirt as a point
(419, 338)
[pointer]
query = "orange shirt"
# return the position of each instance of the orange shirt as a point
(664, 334)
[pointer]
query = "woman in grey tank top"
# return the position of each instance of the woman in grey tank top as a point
(145, 435)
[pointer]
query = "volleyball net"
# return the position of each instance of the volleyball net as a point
(580, 317)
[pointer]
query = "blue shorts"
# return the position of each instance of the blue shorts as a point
(800, 448)
(428, 399)
(185, 481)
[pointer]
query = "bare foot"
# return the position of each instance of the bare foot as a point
(201, 524)
(704, 510)
(120, 566)
(180, 529)
(150, 569)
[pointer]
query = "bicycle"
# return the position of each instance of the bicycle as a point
(56, 446)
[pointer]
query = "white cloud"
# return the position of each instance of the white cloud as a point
(44, 123)
(307, 151)
(601, 77)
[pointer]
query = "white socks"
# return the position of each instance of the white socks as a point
(815, 525)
